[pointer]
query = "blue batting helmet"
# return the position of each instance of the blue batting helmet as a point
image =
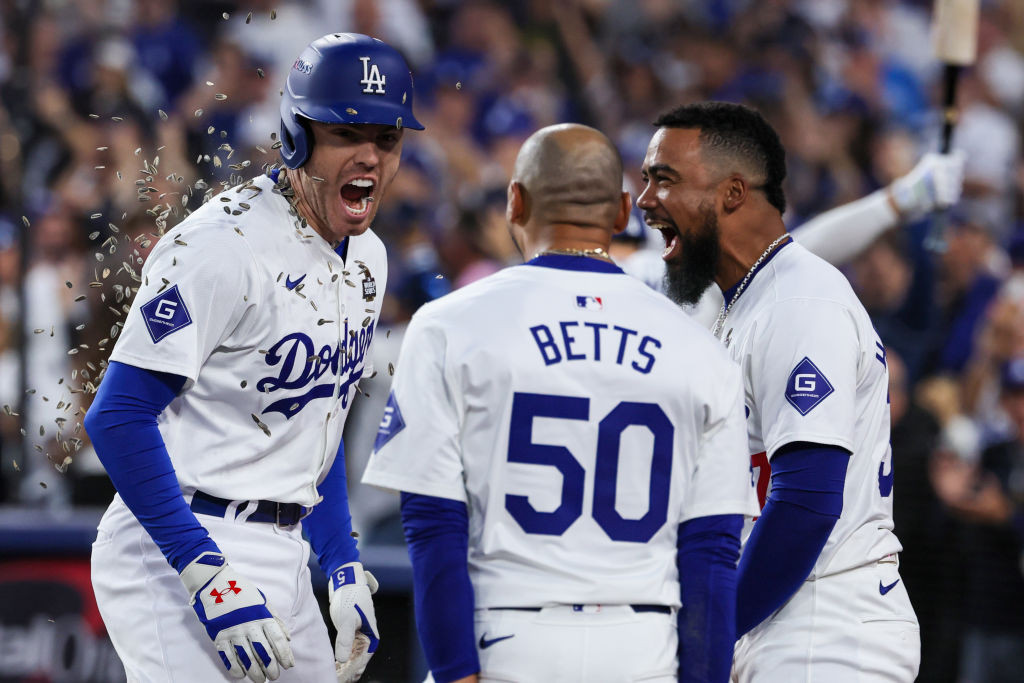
(343, 78)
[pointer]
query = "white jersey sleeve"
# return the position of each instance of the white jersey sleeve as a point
(418, 451)
(721, 482)
(803, 369)
(189, 301)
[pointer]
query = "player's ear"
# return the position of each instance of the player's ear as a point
(622, 217)
(517, 210)
(734, 191)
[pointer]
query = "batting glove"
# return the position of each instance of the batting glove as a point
(934, 183)
(353, 616)
(249, 638)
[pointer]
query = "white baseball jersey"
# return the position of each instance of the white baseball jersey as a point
(581, 417)
(814, 371)
(271, 328)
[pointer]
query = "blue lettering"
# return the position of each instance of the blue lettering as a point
(546, 345)
(569, 339)
(301, 365)
(649, 356)
(622, 342)
(597, 337)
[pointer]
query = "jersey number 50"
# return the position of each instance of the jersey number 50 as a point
(522, 449)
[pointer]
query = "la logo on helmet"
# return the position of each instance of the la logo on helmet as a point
(372, 77)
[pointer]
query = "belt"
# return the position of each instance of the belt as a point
(660, 609)
(267, 511)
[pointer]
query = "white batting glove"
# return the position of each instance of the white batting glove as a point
(250, 640)
(934, 183)
(353, 616)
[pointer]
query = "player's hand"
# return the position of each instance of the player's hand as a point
(934, 183)
(251, 641)
(353, 616)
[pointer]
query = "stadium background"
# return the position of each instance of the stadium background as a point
(116, 116)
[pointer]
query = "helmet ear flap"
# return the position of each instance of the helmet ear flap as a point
(296, 141)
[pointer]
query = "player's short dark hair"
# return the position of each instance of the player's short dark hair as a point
(737, 131)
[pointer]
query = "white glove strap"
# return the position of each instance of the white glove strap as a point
(201, 570)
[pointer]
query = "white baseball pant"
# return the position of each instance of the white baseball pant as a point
(576, 644)
(857, 626)
(157, 634)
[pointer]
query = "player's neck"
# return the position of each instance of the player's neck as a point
(739, 256)
(305, 211)
(568, 240)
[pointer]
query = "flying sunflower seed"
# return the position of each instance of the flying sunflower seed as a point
(244, 384)
(391, 369)
(198, 113)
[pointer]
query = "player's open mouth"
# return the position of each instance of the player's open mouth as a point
(356, 196)
(673, 247)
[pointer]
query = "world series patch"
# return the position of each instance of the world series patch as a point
(807, 387)
(165, 313)
(369, 286)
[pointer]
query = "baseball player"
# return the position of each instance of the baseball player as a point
(220, 416)
(819, 594)
(562, 436)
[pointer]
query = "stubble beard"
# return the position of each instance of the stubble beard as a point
(689, 275)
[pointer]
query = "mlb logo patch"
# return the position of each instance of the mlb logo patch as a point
(165, 313)
(807, 387)
(591, 303)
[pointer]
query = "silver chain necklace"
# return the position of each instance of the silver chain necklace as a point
(727, 306)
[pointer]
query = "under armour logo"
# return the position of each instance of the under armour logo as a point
(232, 588)
(372, 77)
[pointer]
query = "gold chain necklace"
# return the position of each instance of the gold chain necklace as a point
(726, 307)
(592, 253)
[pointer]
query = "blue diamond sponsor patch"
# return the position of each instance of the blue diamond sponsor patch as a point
(807, 387)
(390, 424)
(165, 313)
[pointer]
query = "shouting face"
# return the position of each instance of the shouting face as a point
(678, 201)
(345, 178)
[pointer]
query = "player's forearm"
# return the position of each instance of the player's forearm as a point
(803, 508)
(842, 233)
(122, 424)
(436, 531)
(708, 548)
(329, 526)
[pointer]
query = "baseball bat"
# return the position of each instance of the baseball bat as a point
(955, 30)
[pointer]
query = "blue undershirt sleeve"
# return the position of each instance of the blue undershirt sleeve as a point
(707, 551)
(805, 502)
(437, 532)
(329, 526)
(122, 424)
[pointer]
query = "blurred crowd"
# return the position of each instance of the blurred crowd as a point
(117, 117)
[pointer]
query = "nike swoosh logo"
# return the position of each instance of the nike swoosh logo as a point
(292, 284)
(885, 589)
(484, 643)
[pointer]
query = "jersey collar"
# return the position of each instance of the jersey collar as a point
(566, 262)
(731, 292)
